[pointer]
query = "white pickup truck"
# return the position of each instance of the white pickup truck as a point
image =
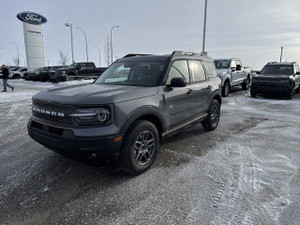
(232, 73)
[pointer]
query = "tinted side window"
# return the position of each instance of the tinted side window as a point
(179, 69)
(210, 69)
(197, 71)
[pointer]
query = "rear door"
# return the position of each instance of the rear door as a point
(234, 73)
(199, 79)
(181, 102)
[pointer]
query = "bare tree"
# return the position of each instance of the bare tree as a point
(63, 58)
(17, 61)
(107, 51)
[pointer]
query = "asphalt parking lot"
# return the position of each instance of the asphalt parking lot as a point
(244, 172)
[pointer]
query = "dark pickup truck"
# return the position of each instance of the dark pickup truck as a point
(125, 114)
(277, 78)
(77, 70)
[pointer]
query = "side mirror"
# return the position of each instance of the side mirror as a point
(238, 67)
(178, 82)
(258, 72)
(298, 73)
(233, 69)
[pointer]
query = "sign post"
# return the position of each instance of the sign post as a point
(33, 38)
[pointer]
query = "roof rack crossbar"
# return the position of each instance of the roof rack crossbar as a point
(180, 53)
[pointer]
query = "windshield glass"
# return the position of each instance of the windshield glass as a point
(222, 64)
(278, 70)
(133, 74)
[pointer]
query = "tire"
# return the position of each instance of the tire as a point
(213, 117)
(245, 84)
(137, 155)
(226, 89)
(297, 90)
(253, 93)
(290, 94)
(16, 76)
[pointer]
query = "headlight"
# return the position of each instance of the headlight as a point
(91, 116)
(284, 81)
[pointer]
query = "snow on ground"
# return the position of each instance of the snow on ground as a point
(24, 90)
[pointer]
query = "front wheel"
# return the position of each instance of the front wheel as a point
(253, 93)
(213, 117)
(140, 147)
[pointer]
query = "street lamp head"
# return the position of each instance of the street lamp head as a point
(67, 24)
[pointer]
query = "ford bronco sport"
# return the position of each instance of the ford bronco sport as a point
(125, 114)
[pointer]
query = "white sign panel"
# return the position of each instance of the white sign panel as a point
(34, 46)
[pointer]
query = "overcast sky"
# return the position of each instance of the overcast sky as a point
(252, 30)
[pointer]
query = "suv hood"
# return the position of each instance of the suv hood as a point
(85, 94)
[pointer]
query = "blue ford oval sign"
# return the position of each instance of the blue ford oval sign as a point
(32, 18)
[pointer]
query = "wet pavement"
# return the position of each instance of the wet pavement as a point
(244, 172)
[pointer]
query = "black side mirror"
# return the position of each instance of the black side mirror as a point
(238, 67)
(233, 69)
(178, 82)
(298, 73)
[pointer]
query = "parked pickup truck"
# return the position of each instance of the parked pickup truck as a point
(80, 69)
(232, 73)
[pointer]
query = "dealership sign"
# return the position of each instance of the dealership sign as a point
(32, 18)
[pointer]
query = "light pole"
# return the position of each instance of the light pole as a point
(111, 44)
(17, 50)
(86, 45)
(204, 28)
(281, 51)
(71, 32)
(99, 55)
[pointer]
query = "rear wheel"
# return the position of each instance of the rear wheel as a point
(245, 85)
(226, 89)
(16, 76)
(140, 147)
(213, 117)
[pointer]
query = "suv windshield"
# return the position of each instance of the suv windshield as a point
(133, 73)
(278, 70)
(222, 64)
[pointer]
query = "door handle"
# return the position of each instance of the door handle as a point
(190, 92)
(209, 87)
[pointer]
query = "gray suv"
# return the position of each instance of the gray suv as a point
(125, 114)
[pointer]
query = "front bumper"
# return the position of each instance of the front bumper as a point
(64, 141)
(266, 88)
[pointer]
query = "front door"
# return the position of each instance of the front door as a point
(181, 102)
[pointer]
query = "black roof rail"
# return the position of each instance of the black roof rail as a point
(271, 63)
(133, 54)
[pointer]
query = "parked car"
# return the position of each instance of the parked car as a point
(280, 78)
(80, 69)
(37, 74)
(125, 114)
(17, 73)
(232, 73)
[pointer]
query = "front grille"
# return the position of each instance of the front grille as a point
(53, 107)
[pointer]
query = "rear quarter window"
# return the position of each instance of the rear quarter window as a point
(210, 69)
